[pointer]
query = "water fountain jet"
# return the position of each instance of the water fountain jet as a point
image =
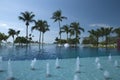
(33, 64)
(97, 60)
(109, 57)
(78, 61)
(1, 68)
(10, 73)
(106, 75)
(57, 63)
(78, 65)
(116, 63)
(99, 66)
(75, 77)
(48, 70)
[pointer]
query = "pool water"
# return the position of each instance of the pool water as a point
(21, 59)
(52, 51)
(88, 70)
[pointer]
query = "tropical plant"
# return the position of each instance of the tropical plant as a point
(1, 37)
(117, 31)
(89, 40)
(17, 33)
(57, 16)
(75, 26)
(102, 32)
(38, 26)
(21, 40)
(72, 33)
(5, 37)
(42, 27)
(12, 33)
(27, 17)
(107, 34)
(96, 34)
(66, 29)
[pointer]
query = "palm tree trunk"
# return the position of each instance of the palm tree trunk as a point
(76, 39)
(39, 40)
(13, 40)
(42, 39)
(97, 41)
(0, 42)
(27, 32)
(106, 41)
(59, 29)
(67, 36)
(102, 39)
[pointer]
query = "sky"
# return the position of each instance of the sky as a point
(91, 14)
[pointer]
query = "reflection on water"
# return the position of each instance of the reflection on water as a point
(52, 52)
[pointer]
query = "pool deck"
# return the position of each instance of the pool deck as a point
(88, 69)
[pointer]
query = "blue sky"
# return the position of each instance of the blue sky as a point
(90, 14)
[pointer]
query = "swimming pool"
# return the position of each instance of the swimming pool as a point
(52, 51)
(88, 69)
(67, 59)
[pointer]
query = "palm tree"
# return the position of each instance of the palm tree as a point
(65, 29)
(41, 26)
(77, 30)
(5, 37)
(38, 27)
(96, 34)
(107, 33)
(72, 32)
(45, 27)
(102, 31)
(57, 16)
(12, 33)
(1, 37)
(27, 17)
(117, 31)
(17, 33)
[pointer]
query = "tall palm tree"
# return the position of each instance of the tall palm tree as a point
(107, 34)
(5, 37)
(117, 31)
(1, 37)
(102, 31)
(72, 32)
(77, 28)
(96, 35)
(66, 29)
(17, 33)
(42, 27)
(12, 33)
(38, 26)
(45, 27)
(27, 17)
(57, 16)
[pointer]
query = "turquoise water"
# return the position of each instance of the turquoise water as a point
(21, 59)
(52, 52)
(21, 69)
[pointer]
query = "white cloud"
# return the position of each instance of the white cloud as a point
(99, 25)
(7, 26)
(3, 25)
